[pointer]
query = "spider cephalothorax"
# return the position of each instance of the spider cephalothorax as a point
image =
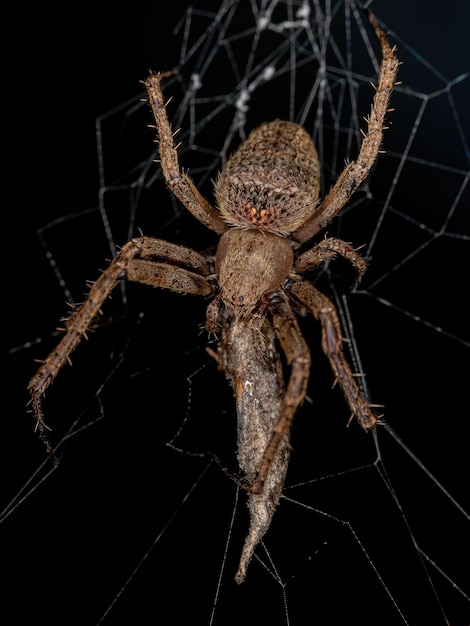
(251, 265)
(267, 204)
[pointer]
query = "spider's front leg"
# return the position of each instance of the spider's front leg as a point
(140, 260)
(325, 311)
(356, 171)
(179, 182)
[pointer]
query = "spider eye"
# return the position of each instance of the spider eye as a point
(239, 298)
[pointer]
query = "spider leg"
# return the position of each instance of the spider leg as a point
(325, 311)
(125, 265)
(356, 171)
(213, 311)
(179, 183)
(298, 357)
(328, 249)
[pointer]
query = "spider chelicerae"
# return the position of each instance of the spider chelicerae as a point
(267, 198)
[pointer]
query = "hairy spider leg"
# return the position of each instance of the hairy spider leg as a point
(145, 269)
(297, 354)
(356, 172)
(178, 182)
(324, 310)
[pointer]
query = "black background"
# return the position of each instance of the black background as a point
(73, 542)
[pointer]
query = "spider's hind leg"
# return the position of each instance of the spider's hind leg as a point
(325, 311)
(297, 355)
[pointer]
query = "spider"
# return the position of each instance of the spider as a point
(267, 198)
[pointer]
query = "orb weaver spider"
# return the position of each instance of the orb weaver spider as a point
(267, 206)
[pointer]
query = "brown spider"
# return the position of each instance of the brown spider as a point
(267, 206)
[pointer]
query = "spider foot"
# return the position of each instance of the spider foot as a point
(41, 428)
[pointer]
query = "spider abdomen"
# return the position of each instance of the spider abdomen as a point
(251, 264)
(272, 181)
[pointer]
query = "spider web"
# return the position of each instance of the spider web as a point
(138, 522)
